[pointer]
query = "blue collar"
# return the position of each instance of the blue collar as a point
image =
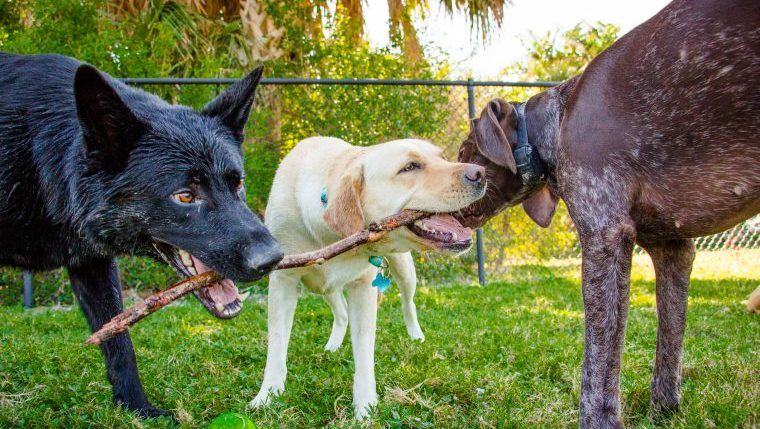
(323, 197)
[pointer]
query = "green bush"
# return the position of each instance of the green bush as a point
(166, 39)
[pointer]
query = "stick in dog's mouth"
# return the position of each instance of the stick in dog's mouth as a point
(207, 279)
(221, 298)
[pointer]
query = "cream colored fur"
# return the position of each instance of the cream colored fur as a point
(364, 184)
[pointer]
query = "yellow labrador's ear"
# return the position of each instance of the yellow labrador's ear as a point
(541, 206)
(344, 213)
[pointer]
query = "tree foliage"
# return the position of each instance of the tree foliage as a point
(558, 56)
(175, 38)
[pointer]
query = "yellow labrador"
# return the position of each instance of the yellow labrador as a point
(326, 189)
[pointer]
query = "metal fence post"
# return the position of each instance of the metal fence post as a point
(28, 299)
(479, 231)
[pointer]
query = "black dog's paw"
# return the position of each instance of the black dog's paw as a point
(148, 411)
(151, 412)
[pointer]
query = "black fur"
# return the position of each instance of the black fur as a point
(88, 170)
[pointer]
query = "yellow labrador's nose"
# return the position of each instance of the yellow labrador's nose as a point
(474, 174)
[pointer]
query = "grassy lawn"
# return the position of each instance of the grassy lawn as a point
(505, 355)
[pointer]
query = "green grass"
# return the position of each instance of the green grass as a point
(505, 355)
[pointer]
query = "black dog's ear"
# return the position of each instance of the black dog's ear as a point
(233, 106)
(491, 140)
(110, 128)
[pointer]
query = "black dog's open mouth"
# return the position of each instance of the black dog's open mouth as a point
(221, 299)
(443, 232)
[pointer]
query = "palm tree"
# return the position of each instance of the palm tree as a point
(264, 36)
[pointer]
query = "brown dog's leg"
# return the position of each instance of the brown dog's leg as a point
(672, 265)
(606, 276)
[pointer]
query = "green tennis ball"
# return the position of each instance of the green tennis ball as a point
(232, 421)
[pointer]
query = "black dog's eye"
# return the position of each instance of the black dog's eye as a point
(184, 197)
(414, 165)
(240, 185)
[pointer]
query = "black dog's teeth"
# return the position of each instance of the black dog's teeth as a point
(187, 261)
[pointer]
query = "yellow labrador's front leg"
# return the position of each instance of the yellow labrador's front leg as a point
(281, 307)
(362, 316)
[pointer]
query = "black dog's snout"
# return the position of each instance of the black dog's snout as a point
(263, 260)
(474, 174)
(262, 252)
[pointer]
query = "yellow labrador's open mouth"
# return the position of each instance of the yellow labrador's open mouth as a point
(444, 232)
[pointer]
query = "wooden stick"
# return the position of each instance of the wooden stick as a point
(373, 233)
(158, 300)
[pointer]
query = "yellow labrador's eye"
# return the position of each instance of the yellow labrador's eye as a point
(414, 165)
(184, 197)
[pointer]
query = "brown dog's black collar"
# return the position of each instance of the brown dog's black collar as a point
(530, 168)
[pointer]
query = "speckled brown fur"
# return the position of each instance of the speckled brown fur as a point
(656, 143)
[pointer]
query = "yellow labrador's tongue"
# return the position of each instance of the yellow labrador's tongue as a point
(222, 292)
(447, 223)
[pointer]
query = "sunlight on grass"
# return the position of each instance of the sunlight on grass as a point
(712, 265)
(642, 299)
(205, 330)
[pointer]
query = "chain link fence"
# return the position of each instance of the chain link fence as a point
(366, 112)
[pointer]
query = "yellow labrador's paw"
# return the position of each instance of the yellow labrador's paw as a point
(415, 333)
(363, 408)
(264, 398)
(332, 346)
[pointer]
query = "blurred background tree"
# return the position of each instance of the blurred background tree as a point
(559, 56)
(320, 39)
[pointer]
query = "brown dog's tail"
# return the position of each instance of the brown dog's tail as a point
(753, 303)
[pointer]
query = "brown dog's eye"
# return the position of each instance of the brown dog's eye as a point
(414, 165)
(184, 197)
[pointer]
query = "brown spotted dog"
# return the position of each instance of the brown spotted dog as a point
(656, 143)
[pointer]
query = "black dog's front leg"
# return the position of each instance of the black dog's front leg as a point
(96, 285)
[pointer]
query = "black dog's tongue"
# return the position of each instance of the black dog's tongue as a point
(222, 292)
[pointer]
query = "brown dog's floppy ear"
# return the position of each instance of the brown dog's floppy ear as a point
(344, 213)
(541, 206)
(491, 140)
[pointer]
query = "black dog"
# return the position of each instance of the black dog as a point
(91, 169)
